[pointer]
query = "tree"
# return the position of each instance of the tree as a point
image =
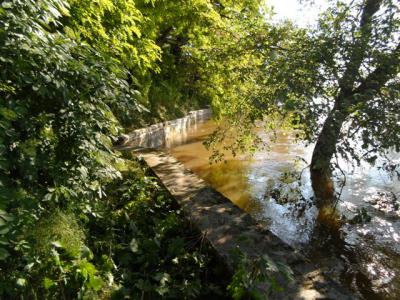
(72, 72)
(194, 37)
(366, 87)
(335, 84)
(169, 47)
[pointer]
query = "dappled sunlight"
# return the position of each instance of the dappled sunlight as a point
(380, 231)
(286, 221)
(111, 113)
(249, 180)
(229, 229)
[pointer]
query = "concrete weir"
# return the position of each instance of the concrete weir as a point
(227, 228)
(161, 134)
(222, 223)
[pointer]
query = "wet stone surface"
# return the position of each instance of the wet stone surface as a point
(363, 250)
(227, 228)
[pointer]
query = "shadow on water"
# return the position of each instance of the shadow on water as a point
(357, 243)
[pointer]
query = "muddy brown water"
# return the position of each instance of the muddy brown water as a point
(364, 253)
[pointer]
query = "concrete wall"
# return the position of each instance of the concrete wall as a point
(162, 134)
(228, 228)
(222, 223)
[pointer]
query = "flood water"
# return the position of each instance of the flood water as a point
(365, 253)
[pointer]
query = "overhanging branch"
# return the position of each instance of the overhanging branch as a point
(387, 69)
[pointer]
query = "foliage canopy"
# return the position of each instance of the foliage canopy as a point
(337, 84)
(75, 216)
(74, 73)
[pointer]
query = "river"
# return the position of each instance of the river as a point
(365, 253)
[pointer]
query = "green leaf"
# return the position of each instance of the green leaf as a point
(21, 282)
(95, 283)
(8, 114)
(134, 245)
(4, 254)
(86, 253)
(29, 266)
(48, 283)
(4, 241)
(4, 215)
(56, 244)
(4, 230)
(6, 4)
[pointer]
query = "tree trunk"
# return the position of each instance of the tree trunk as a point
(321, 171)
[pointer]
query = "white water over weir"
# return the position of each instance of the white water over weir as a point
(162, 134)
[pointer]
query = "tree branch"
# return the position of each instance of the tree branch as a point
(387, 69)
(358, 54)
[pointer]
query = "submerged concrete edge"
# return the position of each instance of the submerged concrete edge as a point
(227, 228)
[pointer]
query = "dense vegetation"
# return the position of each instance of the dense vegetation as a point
(336, 84)
(78, 220)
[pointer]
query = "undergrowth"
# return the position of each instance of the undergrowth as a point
(134, 244)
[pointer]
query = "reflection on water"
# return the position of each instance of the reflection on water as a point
(246, 179)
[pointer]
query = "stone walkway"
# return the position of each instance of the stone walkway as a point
(227, 228)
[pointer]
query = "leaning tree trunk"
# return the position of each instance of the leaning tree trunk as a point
(321, 171)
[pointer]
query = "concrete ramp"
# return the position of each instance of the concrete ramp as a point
(227, 228)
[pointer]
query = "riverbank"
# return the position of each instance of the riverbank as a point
(229, 229)
(363, 254)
